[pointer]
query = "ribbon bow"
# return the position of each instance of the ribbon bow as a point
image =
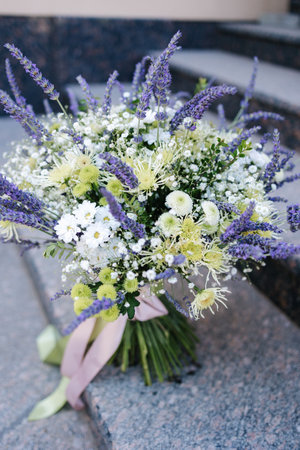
(79, 367)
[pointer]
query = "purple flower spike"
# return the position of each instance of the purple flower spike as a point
(293, 217)
(246, 134)
(20, 100)
(168, 273)
(73, 102)
(258, 115)
(120, 169)
(196, 107)
(90, 99)
(137, 229)
(34, 72)
(107, 97)
(158, 78)
(138, 78)
(177, 305)
(94, 308)
(249, 91)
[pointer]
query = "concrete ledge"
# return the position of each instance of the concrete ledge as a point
(245, 395)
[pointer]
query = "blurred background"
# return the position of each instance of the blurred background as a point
(92, 38)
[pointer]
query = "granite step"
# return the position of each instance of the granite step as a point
(277, 87)
(244, 394)
(275, 43)
(24, 379)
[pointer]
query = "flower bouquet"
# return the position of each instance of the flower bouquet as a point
(138, 200)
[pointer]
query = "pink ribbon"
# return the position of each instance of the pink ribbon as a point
(82, 369)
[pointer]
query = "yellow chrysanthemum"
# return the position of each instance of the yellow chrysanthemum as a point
(80, 290)
(107, 291)
(131, 285)
(192, 251)
(89, 174)
(111, 314)
(114, 186)
(82, 303)
(105, 276)
(189, 228)
(214, 258)
(61, 174)
(80, 189)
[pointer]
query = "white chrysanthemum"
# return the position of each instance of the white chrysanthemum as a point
(169, 224)
(211, 212)
(96, 235)
(67, 228)
(206, 299)
(85, 213)
(104, 216)
(260, 159)
(180, 202)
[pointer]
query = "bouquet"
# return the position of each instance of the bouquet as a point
(138, 200)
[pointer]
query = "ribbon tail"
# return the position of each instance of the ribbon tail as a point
(51, 404)
(99, 353)
(76, 347)
(51, 345)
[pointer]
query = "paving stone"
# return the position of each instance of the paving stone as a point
(24, 379)
(245, 395)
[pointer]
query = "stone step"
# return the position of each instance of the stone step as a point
(276, 87)
(24, 379)
(275, 43)
(244, 394)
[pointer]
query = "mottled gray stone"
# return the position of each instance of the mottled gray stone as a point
(245, 395)
(274, 82)
(24, 379)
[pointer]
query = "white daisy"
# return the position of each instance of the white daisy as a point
(104, 216)
(96, 235)
(85, 213)
(67, 228)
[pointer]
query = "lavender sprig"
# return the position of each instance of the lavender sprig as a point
(244, 223)
(138, 77)
(60, 293)
(33, 71)
(227, 207)
(94, 308)
(258, 115)
(33, 127)
(20, 100)
(221, 116)
(293, 217)
(92, 102)
(158, 78)
(137, 229)
(168, 273)
(246, 134)
(120, 169)
(196, 107)
(176, 304)
(108, 90)
(250, 89)
(73, 102)
(28, 200)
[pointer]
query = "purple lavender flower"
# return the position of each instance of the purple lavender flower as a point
(178, 260)
(246, 251)
(94, 308)
(273, 166)
(158, 78)
(76, 138)
(293, 217)
(120, 169)
(277, 199)
(138, 77)
(20, 100)
(107, 96)
(165, 275)
(246, 134)
(73, 102)
(244, 223)
(250, 88)
(47, 107)
(283, 250)
(92, 102)
(34, 72)
(196, 107)
(29, 219)
(227, 207)
(266, 137)
(258, 115)
(176, 304)
(222, 119)
(33, 127)
(137, 229)
(60, 293)
(28, 200)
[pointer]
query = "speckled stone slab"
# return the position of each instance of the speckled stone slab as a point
(245, 395)
(24, 379)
